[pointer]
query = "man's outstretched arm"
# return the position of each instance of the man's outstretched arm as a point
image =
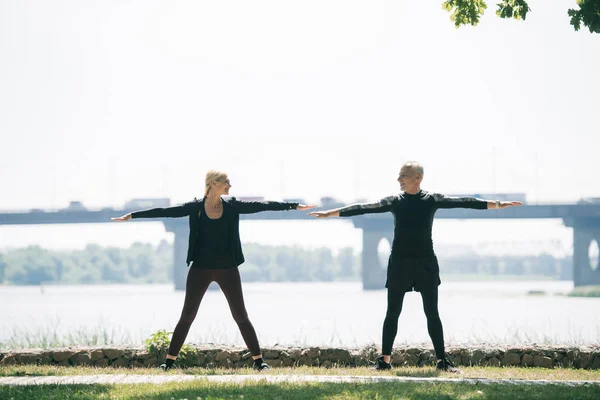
(380, 206)
(443, 201)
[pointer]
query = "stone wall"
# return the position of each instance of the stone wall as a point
(226, 357)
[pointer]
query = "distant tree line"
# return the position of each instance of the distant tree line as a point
(144, 263)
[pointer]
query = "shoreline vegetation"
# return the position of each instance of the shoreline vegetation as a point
(147, 264)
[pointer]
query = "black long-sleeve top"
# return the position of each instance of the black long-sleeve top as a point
(413, 218)
(232, 208)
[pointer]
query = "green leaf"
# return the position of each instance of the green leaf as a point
(588, 15)
(465, 12)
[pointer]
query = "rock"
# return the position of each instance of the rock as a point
(120, 363)
(275, 363)
(29, 357)
(150, 362)
(493, 362)
(234, 357)
(46, 358)
(10, 359)
(63, 363)
(62, 355)
(327, 364)
(527, 360)
(82, 359)
(101, 363)
(222, 356)
(542, 362)
(511, 359)
(296, 354)
(113, 354)
(477, 357)
(341, 356)
(226, 363)
(96, 355)
(596, 363)
(270, 354)
(313, 352)
(286, 360)
(585, 360)
(246, 356)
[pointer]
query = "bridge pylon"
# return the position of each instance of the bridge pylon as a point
(181, 230)
(586, 239)
(373, 270)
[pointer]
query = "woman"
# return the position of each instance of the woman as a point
(214, 254)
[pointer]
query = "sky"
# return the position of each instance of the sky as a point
(105, 101)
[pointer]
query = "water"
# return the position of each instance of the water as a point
(334, 314)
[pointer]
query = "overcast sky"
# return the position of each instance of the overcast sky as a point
(104, 101)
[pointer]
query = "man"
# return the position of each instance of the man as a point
(413, 264)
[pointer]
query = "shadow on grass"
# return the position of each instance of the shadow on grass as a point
(289, 391)
(418, 373)
(25, 373)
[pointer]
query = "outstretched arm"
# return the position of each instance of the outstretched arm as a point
(251, 207)
(443, 201)
(168, 212)
(380, 206)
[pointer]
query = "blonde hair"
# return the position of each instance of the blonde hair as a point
(213, 176)
(415, 166)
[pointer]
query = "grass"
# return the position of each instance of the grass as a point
(205, 390)
(557, 374)
(306, 391)
(585, 291)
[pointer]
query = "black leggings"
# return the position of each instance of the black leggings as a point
(434, 324)
(197, 282)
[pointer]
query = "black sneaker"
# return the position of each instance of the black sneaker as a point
(381, 365)
(164, 367)
(167, 365)
(260, 365)
(447, 366)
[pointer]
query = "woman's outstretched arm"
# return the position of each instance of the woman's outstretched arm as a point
(251, 207)
(167, 212)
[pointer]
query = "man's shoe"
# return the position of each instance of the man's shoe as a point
(446, 366)
(260, 365)
(381, 365)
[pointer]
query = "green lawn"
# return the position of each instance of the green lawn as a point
(288, 391)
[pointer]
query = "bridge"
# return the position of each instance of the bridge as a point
(584, 218)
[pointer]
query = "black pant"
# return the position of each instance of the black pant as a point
(434, 324)
(197, 283)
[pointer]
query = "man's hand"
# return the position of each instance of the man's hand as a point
(324, 214)
(125, 217)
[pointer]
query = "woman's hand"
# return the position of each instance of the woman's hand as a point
(303, 207)
(506, 204)
(125, 217)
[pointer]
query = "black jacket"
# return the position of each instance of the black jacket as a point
(232, 208)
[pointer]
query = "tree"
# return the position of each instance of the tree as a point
(468, 12)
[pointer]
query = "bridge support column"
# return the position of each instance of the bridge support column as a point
(181, 230)
(373, 271)
(586, 238)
